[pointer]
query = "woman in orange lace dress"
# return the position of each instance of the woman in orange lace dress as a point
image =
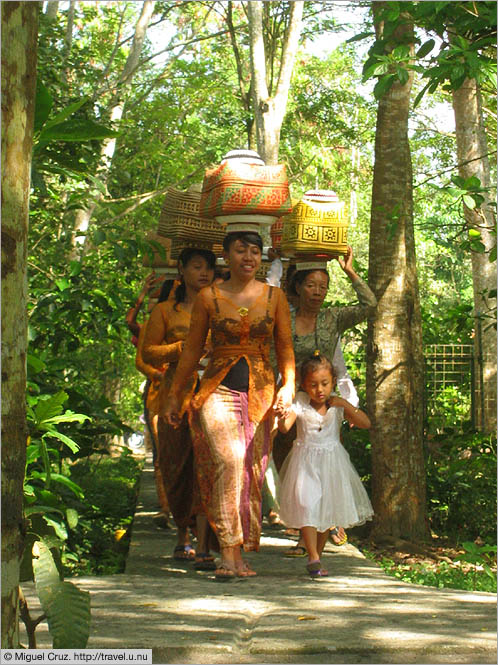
(166, 331)
(231, 415)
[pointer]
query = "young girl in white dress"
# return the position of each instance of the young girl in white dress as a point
(319, 485)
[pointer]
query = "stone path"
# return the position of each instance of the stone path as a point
(357, 615)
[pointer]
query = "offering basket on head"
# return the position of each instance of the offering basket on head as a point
(316, 226)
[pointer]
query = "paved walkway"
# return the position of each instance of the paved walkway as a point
(358, 615)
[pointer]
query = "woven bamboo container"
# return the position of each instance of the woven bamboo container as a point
(238, 188)
(316, 226)
(182, 222)
(276, 231)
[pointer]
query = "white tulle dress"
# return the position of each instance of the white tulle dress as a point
(319, 485)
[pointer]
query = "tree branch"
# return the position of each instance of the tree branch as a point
(455, 166)
(289, 51)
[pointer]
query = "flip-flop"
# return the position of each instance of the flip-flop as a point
(184, 553)
(204, 561)
(335, 532)
(315, 569)
(296, 550)
(224, 573)
(246, 571)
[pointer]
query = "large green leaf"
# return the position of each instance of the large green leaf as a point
(59, 478)
(43, 105)
(76, 130)
(65, 439)
(67, 607)
(46, 573)
(48, 408)
(65, 113)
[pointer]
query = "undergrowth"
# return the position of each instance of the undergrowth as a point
(474, 570)
(98, 545)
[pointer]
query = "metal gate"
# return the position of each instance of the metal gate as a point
(450, 376)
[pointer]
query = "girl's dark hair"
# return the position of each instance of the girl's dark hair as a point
(165, 290)
(186, 255)
(299, 276)
(220, 272)
(247, 237)
(313, 363)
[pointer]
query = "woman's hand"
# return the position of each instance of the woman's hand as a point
(346, 263)
(172, 411)
(283, 402)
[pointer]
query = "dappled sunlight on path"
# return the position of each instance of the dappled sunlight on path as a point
(358, 614)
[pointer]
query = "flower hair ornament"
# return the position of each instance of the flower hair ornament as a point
(316, 353)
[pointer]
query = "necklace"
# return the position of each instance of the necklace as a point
(243, 311)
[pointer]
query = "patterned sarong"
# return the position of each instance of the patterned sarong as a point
(232, 455)
(176, 463)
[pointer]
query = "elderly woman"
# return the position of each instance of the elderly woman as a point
(231, 415)
(316, 328)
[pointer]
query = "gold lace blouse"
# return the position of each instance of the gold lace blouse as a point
(238, 332)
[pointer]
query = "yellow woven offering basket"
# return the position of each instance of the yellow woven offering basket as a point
(315, 227)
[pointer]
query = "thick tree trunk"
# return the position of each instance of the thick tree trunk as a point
(83, 216)
(472, 152)
(394, 350)
(19, 44)
(52, 9)
(269, 111)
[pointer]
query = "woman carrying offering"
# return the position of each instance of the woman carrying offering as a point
(319, 485)
(316, 328)
(231, 415)
(166, 331)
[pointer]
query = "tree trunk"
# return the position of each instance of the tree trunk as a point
(19, 44)
(269, 111)
(83, 216)
(394, 350)
(52, 9)
(472, 152)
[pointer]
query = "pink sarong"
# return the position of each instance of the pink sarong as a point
(231, 458)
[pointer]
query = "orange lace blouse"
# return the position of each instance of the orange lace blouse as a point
(154, 374)
(238, 332)
(166, 331)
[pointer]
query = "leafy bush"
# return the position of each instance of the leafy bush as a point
(98, 545)
(441, 575)
(461, 485)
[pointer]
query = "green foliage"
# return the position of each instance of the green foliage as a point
(66, 607)
(441, 575)
(481, 558)
(469, 51)
(96, 546)
(461, 485)
(45, 487)
(450, 408)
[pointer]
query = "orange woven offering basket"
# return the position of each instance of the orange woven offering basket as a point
(239, 188)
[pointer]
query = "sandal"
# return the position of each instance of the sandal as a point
(224, 572)
(246, 571)
(296, 550)
(204, 561)
(315, 569)
(340, 541)
(183, 553)
(274, 520)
